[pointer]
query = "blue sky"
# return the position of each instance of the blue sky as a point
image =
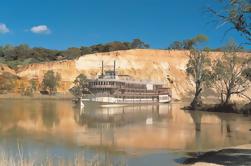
(60, 24)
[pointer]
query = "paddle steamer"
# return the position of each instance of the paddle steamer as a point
(111, 88)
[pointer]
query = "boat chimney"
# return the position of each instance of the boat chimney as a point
(114, 69)
(102, 74)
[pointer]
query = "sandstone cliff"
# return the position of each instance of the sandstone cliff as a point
(141, 64)
(5, 69)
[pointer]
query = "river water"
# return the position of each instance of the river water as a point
(131, 135)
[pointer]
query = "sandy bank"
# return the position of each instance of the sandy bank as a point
(60, 96)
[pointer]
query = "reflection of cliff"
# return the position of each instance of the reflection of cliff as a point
(175, 130)
(219, 129)
(37, 117)
(171, 127)
(49, 117)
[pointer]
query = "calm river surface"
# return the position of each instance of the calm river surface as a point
(133, 135)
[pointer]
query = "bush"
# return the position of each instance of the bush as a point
(7, 82)
(51, 82)
(226, 108)
(28, 91)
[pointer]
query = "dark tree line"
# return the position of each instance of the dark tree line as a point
(23, 54)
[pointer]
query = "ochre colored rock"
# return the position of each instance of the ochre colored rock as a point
(141, 64)
(4, 68)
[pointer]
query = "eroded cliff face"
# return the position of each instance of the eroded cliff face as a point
(154, 65)
(5, 69)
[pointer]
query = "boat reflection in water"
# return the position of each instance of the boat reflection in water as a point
(161, 126)
(119, 116)
(116, 134)
(139, 127)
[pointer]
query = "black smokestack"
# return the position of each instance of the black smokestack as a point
(114, 68)
(102, 74)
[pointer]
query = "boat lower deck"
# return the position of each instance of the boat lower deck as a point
(117, 102)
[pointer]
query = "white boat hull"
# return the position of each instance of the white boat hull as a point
(121, 101)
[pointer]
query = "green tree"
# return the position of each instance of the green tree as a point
(247, 73)
(198, 67)
(72, 53)
(7, 82)
(200, 38)
(228, 74)
(85, 50)
(207, 49)
(28, 91)
(236, 13)
(22, 89)
(80, 86)
(195, 41)
(9, 52)
(137, 43)
(113, 46)
(33, 85)
(22, 51)
(189, 43)
(51, 81)
(176, 45)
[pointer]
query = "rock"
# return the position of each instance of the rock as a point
(167, 66)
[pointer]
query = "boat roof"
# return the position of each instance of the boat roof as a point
(127, 81)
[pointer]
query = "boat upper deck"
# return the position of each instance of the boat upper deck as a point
(111, 83)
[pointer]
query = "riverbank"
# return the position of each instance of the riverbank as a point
(237, 108)
(37, 96)
(239, 155)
